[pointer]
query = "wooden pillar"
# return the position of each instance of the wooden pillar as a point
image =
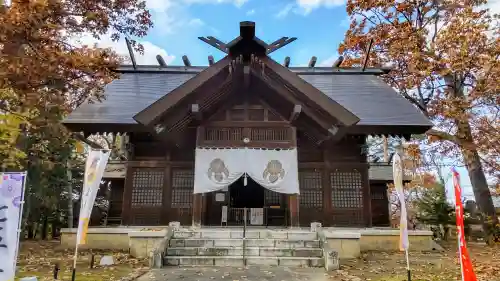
(293, 205)
(197, 209)
(327, 190)
(167, 192)
(127, 195)
(367, 198)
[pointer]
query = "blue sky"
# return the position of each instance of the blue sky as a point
(319, 26)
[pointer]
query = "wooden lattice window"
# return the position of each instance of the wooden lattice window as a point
(272, 198)
(147, 187)
(347, 189)
(223, 134)
(182, 188)
(270, 134)
(311, 191)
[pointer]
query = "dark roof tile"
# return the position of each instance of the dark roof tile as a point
(127, 96)
(367, 96)
(370, 98)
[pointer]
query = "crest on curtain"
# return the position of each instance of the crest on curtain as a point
(274, 171)
(218, 170)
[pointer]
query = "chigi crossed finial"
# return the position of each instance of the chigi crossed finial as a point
(247, 33)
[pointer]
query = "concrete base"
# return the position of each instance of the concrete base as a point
(345, 241)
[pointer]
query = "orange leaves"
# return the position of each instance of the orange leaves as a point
(426, 42)
(43, 66)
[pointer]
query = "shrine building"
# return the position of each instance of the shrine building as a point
(246, 133)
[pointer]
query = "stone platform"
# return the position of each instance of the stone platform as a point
(230, 247)
(142, 242)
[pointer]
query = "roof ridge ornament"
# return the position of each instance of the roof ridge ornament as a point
(252, 44)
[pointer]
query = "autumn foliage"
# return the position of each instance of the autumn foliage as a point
(43, 67)
(445, 60)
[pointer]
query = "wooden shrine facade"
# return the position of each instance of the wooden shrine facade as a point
(333, 176)
(247, 99)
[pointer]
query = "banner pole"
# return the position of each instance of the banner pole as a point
(73, 273)
(408, 265)
(19, 224)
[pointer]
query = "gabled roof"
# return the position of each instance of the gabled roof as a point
(362, 93)
(154, 111)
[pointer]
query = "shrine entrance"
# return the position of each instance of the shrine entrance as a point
(250, 195)
(263, 207)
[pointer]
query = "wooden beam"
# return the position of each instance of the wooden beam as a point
(286, 63)
(161, 61)
(295, 113)
(153, 112)
(367, 56)
(278, 44)
(312, 62)
(285, 93)
(216, 43)
(195, 110)
(210, 60)
(332, 107)
(338, 61)
(131, 52)
(186, 61)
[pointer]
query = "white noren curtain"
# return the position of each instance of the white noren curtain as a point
(216, 168)
(276, 170)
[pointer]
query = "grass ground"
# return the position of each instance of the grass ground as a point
(37, 258)
(436, 266)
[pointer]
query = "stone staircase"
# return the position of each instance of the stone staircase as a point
(226, 247)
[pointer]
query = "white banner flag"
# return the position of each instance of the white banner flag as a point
(94, 169)
(397, 170)
(12, 186)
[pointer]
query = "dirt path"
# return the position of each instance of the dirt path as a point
(235, 273)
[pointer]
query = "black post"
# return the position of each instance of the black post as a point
(92, 259)
(56, 270)
(73, 274)
(409, 274)
(244, 234)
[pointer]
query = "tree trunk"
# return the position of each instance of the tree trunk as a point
(480, 186)
(70, 196)
(45, 227)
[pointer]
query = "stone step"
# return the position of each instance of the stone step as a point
(270, 243)
(239, 261)
(251, 251)
(253, 234)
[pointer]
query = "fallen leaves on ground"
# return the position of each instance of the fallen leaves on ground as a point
(38, 258)
(429, 266)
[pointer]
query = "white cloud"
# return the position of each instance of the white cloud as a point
(196, 22)
(250, 12)
(309, 5)
(150, 49)
(237, 3)
(305, 7)
(285, 11)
